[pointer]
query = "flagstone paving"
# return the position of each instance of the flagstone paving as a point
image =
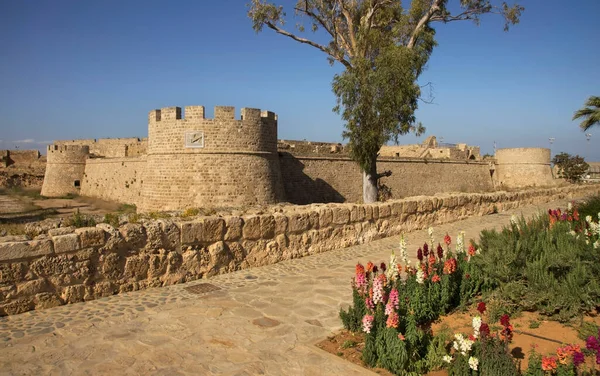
(262, 321)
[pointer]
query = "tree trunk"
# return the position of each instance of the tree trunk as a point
(370, 189)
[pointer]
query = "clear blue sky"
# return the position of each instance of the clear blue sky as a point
(93, 69)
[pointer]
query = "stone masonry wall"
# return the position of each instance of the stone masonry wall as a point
(72, 265)
(330, 179)
(114, 179)
(235, 163)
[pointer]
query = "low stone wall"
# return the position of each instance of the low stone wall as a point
(70, 265)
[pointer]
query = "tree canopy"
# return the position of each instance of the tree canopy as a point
(590, 114)
(384, 48)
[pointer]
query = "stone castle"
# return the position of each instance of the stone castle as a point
(191, 161)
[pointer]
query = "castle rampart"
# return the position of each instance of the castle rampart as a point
(64, 169)
(523, 167)
(194, 161)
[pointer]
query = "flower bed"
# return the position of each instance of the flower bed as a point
(549, 264)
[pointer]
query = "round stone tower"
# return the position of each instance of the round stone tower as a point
(524, 167)
(220, 162)
(65, 167)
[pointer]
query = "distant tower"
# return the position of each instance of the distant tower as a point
(220, 162)
(64, 169)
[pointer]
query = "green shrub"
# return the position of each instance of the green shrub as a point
(540, 266)
(127, 208)
(590, 207)
(80, 220)
(112, 219)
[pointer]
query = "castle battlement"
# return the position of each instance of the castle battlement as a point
(194, 113)
(75, 150)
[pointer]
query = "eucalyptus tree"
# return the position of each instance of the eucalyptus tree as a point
(383, 46)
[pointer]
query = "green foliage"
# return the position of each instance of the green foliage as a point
(112, 219)
(495, 358)
(590, 114)
(384, 47)
(591, 207)
(437, 349)
(127, 208)
(353, 317)
(587, 329)
(571, 168)
(535, 266)
(190, 212)
(158, 215)
(80, 220)
(534, 367)
(534, 324)
(348, 344)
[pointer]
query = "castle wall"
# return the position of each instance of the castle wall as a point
(232, 162)
(64, 169)
(319, 179)
(524, 167)
(114, 179)
(22, 168)
(111, 147)
(72, 265)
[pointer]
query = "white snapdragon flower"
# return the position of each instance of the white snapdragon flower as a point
(460, 242)
(476, 326)
(473, 363)
(569, 206)
(403, 250)
(392, 271)
(447, 359)
(513, 219)
(420, 276)
(588, 218)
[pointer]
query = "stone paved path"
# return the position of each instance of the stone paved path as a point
(261, 321)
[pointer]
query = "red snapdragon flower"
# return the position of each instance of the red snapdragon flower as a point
(481, 307)
(436, 278)
(447, 239)
(440, 251)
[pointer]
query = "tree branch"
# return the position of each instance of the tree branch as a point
(350, 24)
(384, 174)
(309, 42)
(337, 37)
(435, 7)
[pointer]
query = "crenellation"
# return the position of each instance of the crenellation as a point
(192, 113)
(251, 114)
(170, 113)
(224, 113)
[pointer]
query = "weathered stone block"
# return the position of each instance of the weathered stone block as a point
(106, 288)
(167, 235)
(410, 207)
(31, 288)
(134, 234)
(214, 230)
(233, 228)
(47, 300)
(267, 227)
(298, 222)
(281, 224)
(61, 231)
(91, 236)
(368, 212)
(12, 273)
(136, 267)
(73, 294)
(325, 217)
(397, 208)
(384, 210)
(251, 228)
(341, 215)
(66, 243)
(203, 231)
(18, 306)
(357, 214)
(313, 219)
(22, 250)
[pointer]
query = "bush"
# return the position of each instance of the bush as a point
(541, 265)
(80, 220)
(590, 207)
(112, 219)
(570, 167)
(396, 313)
